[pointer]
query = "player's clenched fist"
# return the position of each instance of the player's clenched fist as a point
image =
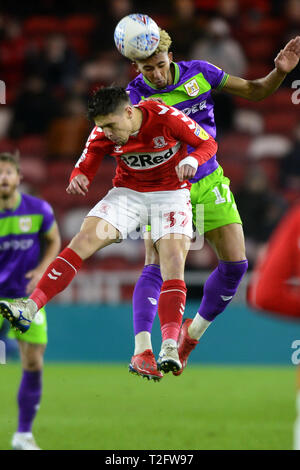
(78, 185)
(185, 172)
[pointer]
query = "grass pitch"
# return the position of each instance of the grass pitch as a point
(99, 406)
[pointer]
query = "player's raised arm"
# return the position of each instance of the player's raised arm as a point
(255, 90)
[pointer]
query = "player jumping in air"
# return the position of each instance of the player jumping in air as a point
(25, 222)
(187, 86)
(149, 142)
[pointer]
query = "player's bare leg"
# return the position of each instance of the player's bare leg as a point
(221, 286)
(29, 394)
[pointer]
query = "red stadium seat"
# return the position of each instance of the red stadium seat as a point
(8, 145)
(261, 49)
(42, 25)
(234, 145)
(33, 146)
(79, 44)
(33, 170)
(79, 24)
(59, 171)
(282, 122)
(270, 166)
(256, 70)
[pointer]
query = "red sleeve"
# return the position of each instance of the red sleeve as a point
(95, 149)
(189, 132)
(271, 287)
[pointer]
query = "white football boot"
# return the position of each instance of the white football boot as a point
(19, 313)
(24, 441)
(168, 358)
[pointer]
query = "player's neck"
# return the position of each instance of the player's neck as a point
(137, 120)
(171, 75)
(10, 202)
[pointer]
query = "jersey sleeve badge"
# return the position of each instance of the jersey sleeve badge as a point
(201, 133)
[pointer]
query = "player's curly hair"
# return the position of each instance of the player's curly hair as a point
(106, 100)
(163, 46)
(164, 42)
(13, 158)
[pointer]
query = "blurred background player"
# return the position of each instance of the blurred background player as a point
(29, 241)
(188, 86)
(275, 283)
(149, 142)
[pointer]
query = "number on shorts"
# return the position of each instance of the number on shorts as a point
(219, 198)
(170, 218)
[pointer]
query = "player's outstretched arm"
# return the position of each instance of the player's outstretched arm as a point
(256, 90)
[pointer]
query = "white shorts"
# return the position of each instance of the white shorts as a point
(128, 211)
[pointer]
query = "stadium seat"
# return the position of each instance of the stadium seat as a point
(32, 145)
(59, 171)
(79, 44)
(8, 145)
(33, 170)
(272, 145)
(206, 4)
(270, 166)
(79, 24)
(234, 145)
(248, 121)
(281, 123)
(261, 49)
(256, 70)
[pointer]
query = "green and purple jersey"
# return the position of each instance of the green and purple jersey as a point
(21, 229)
(191, 93)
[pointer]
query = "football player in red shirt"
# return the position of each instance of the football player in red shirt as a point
(275, 283)
(149, 142)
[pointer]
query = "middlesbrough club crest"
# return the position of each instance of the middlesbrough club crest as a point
(159, 142)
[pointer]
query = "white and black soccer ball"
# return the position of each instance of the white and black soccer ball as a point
(136, 36)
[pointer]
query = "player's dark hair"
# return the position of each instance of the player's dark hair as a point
(13, 158)
(107, 100)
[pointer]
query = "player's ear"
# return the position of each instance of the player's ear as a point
(170, 55)
(135, 66)
(129, 110)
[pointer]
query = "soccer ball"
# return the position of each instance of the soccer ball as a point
(136, 36)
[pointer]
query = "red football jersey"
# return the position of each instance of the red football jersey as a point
(147, 161)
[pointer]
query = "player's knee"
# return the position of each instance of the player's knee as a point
(233, 271)
(172, 267)
(33, 363)
(84, 244)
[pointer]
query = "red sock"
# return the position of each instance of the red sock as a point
(171, 308)
(57, 277)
